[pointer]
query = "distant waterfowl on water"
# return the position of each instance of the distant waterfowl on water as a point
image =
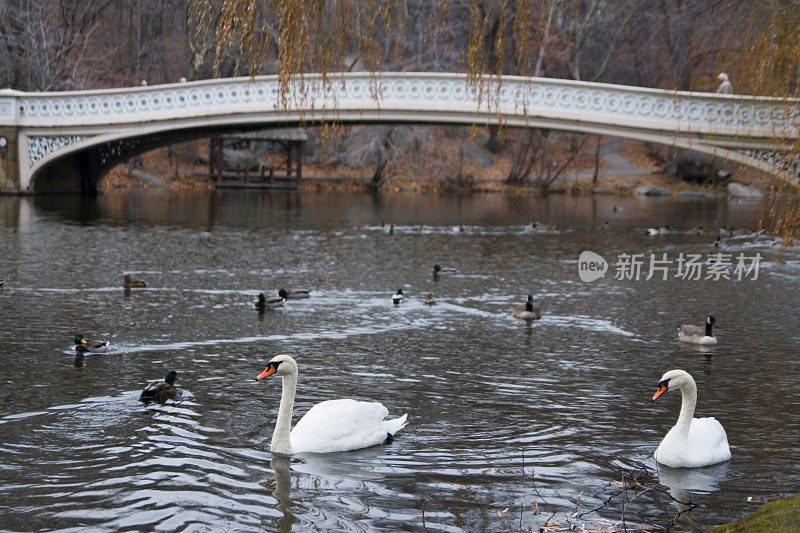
(83, 345)
(330, 426)
(657, 231)
(527, 311)
(130, 283)
(398, 297)
(262, 302)
(698, 334)
(429, 300)
(438, 269)
(293, 294)
(161, 391)
(542, 227)
(692, 442)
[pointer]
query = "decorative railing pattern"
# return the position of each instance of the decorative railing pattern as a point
(40, 146)
(785, 161)
(424, 93)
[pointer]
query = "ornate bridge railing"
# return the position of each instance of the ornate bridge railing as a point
(40, 128)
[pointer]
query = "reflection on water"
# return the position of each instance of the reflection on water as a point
(283, 491)
(685, 485)
(502, 413)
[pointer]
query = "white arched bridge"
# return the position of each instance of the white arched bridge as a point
(67, 141)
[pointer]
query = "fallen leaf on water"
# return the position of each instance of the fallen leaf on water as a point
(504, 513)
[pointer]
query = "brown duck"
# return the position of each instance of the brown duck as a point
(129, 283)
(161, 391)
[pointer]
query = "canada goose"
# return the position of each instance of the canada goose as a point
(82, 345)
(692, 442)
(262, 302)
(698, 334)
(330, 426)
(161, 391)
(293, 294)
(398, 297)
(527, 311)
(130, 283)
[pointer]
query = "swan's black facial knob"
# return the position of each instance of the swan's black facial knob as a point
(272, 367)
(663, 386)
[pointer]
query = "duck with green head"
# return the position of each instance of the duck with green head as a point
(293, 294)
(161, 391)
(262, 302)
(438, 269)
(82, 345)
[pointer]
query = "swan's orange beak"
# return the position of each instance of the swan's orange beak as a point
(661, 390)
(271, 369)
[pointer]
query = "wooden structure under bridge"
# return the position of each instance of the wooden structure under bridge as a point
(254, 173)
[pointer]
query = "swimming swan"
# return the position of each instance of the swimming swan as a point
(329, 426)
(692, 442)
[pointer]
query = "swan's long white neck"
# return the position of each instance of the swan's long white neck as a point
(281, 443)
(689, 394)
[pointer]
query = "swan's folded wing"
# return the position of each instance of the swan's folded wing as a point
(707, 436)
(340, 425)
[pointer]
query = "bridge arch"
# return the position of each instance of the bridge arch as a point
(88, 132)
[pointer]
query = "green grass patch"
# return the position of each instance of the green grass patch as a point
(781, 516)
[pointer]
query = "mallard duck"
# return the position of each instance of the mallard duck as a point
(438, 269)
(293, 294)
(398, 297)
(527, 311)
(130, 283)
(82, 345)
(429, 300)
(262, 302)
(698, 334)
(161, 391)
(542, 227)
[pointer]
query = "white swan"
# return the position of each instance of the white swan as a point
(692, 442)
(330, 426)
(697, 335)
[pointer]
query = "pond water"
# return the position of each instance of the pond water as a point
(504, 418)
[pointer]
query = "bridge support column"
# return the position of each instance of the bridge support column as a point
(9, 164)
